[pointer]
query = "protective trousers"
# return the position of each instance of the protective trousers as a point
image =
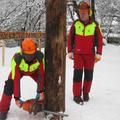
(83, 63)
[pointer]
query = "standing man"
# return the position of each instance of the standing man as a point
(85, 47)
(27, 62)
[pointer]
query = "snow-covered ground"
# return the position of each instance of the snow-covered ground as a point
(104, 101)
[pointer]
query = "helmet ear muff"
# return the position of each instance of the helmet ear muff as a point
(90, 12)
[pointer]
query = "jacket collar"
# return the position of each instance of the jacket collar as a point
(89, 21)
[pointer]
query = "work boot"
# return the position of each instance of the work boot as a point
(86, 97)
(3, 115)
(78, 100)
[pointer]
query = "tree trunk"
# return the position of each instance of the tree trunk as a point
(55, 55)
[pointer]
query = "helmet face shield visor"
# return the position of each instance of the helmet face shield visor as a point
(29, 51)
(83, 11)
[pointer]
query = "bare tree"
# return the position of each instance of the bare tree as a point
(55, 55)
(23, 14)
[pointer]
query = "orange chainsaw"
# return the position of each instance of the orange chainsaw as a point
(33, 106)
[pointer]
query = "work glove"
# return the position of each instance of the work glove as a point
(70, 55)
(97, 58)
(40, 96)
(37, 96)
(19, 102)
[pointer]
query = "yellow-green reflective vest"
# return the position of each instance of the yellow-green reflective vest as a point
(88, 30)
(24, 66)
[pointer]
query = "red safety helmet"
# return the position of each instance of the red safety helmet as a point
(85, 7)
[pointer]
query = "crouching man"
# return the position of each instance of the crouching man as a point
(27, 62)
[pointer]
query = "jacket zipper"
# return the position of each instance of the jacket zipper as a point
(84, 30)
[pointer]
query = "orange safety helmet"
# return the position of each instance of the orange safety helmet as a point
(28, 46)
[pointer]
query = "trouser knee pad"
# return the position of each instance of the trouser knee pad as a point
(8, 88)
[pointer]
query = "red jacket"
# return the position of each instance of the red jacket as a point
(84, 44)
(37, 75)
